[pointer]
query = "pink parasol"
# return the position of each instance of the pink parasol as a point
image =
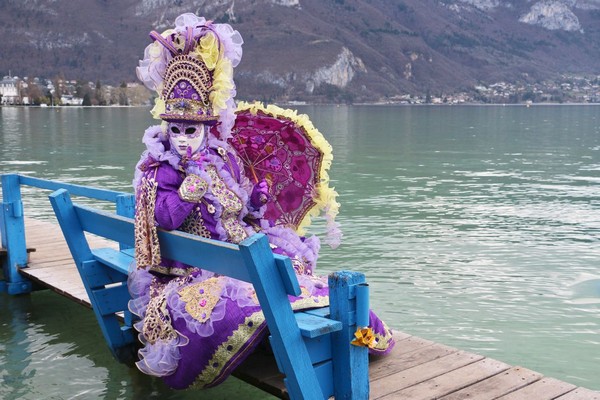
(284, 149)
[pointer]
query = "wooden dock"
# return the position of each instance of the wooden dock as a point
(416, 369)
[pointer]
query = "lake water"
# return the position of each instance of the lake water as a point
(477, 227)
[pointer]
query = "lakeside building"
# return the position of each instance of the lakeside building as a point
(9, 91)
(70, 100)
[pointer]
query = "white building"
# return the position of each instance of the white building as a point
(67, 99)
(9, 91)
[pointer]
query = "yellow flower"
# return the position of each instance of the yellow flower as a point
(364, 337)
(159, 108)
(208, 51)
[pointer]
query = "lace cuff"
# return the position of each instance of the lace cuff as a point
(192, 189)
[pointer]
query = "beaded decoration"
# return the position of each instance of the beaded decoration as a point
(201, 298)
(186, 90)
(194, 224)
(157, 322)
(147, 248)
(232, 205)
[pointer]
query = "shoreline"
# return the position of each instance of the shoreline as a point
(305, 104)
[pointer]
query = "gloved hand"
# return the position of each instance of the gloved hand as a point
(192, 189)
(260, 194)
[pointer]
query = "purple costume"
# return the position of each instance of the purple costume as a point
(196, 327)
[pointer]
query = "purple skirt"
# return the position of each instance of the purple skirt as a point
(197, 329)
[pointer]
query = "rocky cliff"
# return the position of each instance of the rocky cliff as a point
(331, 50)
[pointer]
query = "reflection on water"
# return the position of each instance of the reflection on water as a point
(52, 348)
(477, 227)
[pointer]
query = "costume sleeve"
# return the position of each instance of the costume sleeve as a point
(170, 210)
(234, 166)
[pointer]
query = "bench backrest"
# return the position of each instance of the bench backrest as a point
(105, 277)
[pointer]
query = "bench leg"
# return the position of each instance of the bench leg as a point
(350, 363)
(12, 232)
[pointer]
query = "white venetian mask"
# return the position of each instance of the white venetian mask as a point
(185, 134)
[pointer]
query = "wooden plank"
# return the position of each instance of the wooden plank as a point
(41, 247)
(115, 259)
(42, 231)
(50, 233)
(411, 359)
(54, 262)
(64, 271)
(110, 300)
(498, 385)
(312, 326)
(34, 222)
(451, 381)
(384, 365)
(45, 252)
(75, 190)
(544, 389)
(399, 335)
(70, 288)
(260, 370)
(580, 394)
(421, 372)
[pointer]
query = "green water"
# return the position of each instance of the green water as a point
(477, 227)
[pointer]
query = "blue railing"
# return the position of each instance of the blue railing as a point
(12, 222)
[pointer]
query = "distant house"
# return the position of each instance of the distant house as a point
(70, 100)
(8, 90)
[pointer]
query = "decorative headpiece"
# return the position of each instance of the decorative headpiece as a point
(186, 90)
(191, 69)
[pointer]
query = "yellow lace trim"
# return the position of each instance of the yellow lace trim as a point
(201, 298)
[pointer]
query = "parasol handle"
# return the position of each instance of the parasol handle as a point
(253, 173)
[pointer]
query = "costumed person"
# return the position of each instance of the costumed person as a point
(222, 174)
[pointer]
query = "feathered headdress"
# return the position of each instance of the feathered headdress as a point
(191, 69)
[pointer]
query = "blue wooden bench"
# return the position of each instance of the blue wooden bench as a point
(312, 348)
(14, 253)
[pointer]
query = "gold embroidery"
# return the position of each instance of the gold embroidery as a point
(310, 302)
(147, 248)
(201, 298)
(192, 188)
(194, 224)
(228, 349)
(157, 322)
(230, 202)
(234, 230)
(171, 270)
(232, 206)
(240, 337)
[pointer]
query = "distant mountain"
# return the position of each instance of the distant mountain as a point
(318, 49)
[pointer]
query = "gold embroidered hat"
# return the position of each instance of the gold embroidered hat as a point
(191, 69)
(186, 91)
